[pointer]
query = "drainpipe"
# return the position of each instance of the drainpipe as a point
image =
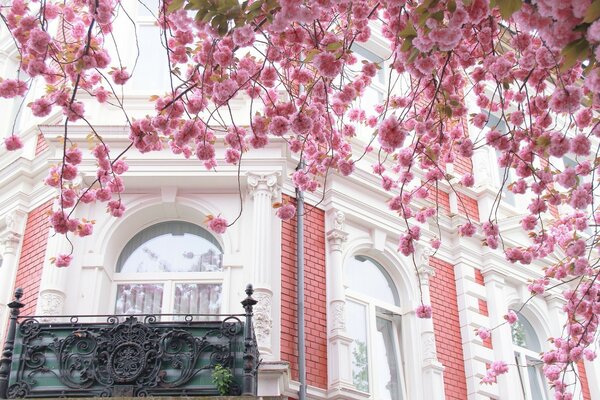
(300, 288)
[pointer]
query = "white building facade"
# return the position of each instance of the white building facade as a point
(364, 340)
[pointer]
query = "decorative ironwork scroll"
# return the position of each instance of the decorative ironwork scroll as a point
(137, 356)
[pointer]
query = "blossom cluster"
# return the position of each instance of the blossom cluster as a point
(295, 63)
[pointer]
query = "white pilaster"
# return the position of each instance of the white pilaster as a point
(501, 336)
(53, 284)
(263, 186)
(10, 238)
(433, 370)
(340, 360)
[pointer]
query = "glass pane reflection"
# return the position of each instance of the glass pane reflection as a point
(137, 298)
(387, 380)
(171, 247)
(357, 327)
(197, 298)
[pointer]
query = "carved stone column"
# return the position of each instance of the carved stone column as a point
(10, 238)
(340, 371)
(433, 370)
(53, 285)
(262, 189)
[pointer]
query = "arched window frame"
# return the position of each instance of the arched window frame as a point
(374, 309)
(527, 359)
(171, 282)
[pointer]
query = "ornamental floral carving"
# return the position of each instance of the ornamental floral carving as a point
(262, 319)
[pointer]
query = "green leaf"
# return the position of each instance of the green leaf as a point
(334, 46)
(255, 6)
(593, 12)
(413, 55)
(408, 31)
(507, 7)
(407, 44)
(175, 5)
(438, 16)
(451, 5)
(311, 54)
(573, 52)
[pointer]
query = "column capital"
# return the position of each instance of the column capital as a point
(336, 237)
(10, 241)
(262, 182)
(10, 236)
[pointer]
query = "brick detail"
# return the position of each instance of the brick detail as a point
(447, 329)
(439, 197)
(462, 166)
(315, 297)
(479, 277)
(483, 308)
(31, 260)
(488, 343)
(41, 145)
(468, 206)
(585, 388)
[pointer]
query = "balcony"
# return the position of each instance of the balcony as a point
(129, 356)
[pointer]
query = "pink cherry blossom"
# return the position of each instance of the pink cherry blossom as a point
(218, 225)
(483, 333)
(511, 317)
(120, 76)
(286, 212)
(12, 143)
(63, 260)
(423, 311)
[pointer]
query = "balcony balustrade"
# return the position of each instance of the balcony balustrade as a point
(129, 355)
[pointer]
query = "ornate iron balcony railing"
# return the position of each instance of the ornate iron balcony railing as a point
(127, 356)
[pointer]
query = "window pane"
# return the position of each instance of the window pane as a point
(357, 327)
(171, 247)
(536, 379)
(148, 8)
(388, 376)
(152, 69)
(379, 285)
(139, 298)
(524, 335)
(197, 298)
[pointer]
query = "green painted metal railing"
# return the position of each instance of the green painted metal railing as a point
(128, 356)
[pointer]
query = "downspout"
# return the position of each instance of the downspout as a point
(300, 288)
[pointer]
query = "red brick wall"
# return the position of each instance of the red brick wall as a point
(468, 206)
(41, 145)
(447, 329)
(585, 389)
(462, 165)
(439, 197)
(315, 301)
(31, 261)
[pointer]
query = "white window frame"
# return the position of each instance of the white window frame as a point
(169, 280)
(525, 358)
(398, 313)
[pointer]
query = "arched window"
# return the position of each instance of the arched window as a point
(171, 267)
(373, 321)
(527, 357)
